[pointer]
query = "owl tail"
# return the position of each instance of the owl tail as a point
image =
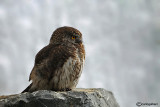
(27, 89)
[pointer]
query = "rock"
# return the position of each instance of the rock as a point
(75, 98)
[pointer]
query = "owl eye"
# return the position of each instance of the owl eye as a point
(73, 37)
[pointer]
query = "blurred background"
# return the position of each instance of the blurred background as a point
(121, 37)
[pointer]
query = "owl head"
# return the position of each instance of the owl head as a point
(65, 35)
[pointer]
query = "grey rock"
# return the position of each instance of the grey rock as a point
(75, 98)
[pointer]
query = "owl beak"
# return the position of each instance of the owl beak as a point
(78, 40)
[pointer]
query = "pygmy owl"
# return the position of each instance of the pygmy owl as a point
(58, 65)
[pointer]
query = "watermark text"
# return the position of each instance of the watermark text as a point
(139, 104)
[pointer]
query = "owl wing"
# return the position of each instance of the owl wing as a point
(49, 59)
(43, 54)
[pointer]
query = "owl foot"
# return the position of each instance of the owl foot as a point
(67, 89)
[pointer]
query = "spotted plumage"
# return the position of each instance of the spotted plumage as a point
(58, 65)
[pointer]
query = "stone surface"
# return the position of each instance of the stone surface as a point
(75, 98)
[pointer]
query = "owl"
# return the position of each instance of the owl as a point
(58, 66)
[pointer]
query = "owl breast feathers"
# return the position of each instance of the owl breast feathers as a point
(58, 66)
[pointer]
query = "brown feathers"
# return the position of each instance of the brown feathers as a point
(58, 65)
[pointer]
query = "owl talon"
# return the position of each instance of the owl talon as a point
(62, 90)
(67, 89)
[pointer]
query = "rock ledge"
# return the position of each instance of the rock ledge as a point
(75, 98)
